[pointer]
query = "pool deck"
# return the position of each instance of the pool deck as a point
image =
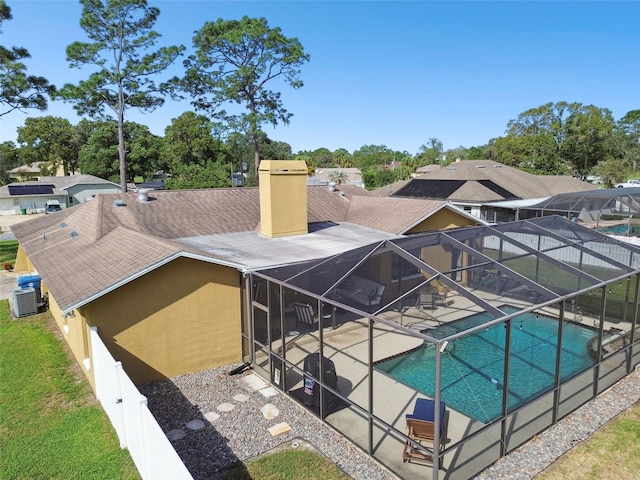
(346, 346)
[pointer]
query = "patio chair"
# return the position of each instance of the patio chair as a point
(440, 299)
(426, 300)
(306, 318)
(422, 432)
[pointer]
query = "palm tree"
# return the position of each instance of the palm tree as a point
(338, 177)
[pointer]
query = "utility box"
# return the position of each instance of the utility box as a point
(25, 302)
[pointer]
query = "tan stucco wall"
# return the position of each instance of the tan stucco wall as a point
(23, 264)
(180, 318)
(442, 220)
(77, 334)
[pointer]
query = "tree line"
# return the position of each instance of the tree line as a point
(232, 64)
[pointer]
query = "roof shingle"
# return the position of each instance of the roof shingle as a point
(96, 246)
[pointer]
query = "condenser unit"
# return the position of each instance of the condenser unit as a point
(25, 302)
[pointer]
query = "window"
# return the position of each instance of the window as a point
(401, 269)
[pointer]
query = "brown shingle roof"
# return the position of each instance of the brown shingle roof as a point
(474, 190)
(89, 267)
(89, 249)
(393, 215)
(475, 172)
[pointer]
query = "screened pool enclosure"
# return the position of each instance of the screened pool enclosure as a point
(511, 326)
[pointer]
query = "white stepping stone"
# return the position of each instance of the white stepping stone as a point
(279, 429)
(241, 397)
(254, 382)
(176, 434)
(195, 425)
(270, 411)
(226, 407)
(211, 416)
(268, 392)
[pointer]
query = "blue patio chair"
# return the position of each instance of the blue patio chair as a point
(421, 425)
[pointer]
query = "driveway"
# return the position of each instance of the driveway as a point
(6, 221)
(8, 283)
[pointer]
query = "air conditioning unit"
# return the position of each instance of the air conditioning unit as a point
(25, 302)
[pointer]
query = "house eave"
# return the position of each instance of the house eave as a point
(66, 311)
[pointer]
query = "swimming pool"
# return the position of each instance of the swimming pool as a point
(473, 366)
(621, 229)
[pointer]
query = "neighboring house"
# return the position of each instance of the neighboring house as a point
(162, 278)
(614, 210)
(31, 197)
(154, 184)
(31, 171)
(27, 172)
(471, 183)
(322, 176)
(424, 170)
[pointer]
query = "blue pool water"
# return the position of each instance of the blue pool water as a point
(619, 229)
(473, 366)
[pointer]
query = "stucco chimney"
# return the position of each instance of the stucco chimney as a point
(283, 198)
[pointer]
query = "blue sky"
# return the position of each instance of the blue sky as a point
(389, 73)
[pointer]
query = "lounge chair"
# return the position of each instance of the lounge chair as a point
(306, 316)
(421, 425)
(523, 292)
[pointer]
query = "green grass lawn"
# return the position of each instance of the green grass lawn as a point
(50, 424)
(612, 453)
(288, 464)
(8, 251)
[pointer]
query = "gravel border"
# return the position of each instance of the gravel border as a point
(230, 438)
(539, 453)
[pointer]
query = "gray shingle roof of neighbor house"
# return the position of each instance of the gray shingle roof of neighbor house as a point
(88, 250)
(484, 181)
(60, 183)
(67, 181)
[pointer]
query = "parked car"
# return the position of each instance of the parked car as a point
(629, 183)
(52, 206)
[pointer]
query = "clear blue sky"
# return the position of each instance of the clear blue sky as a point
(389, 73)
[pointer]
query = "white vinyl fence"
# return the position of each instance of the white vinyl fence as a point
(134, 423)
(569, 254)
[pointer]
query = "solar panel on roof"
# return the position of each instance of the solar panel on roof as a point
(503, 192)
(45, 189)
(423, 188)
